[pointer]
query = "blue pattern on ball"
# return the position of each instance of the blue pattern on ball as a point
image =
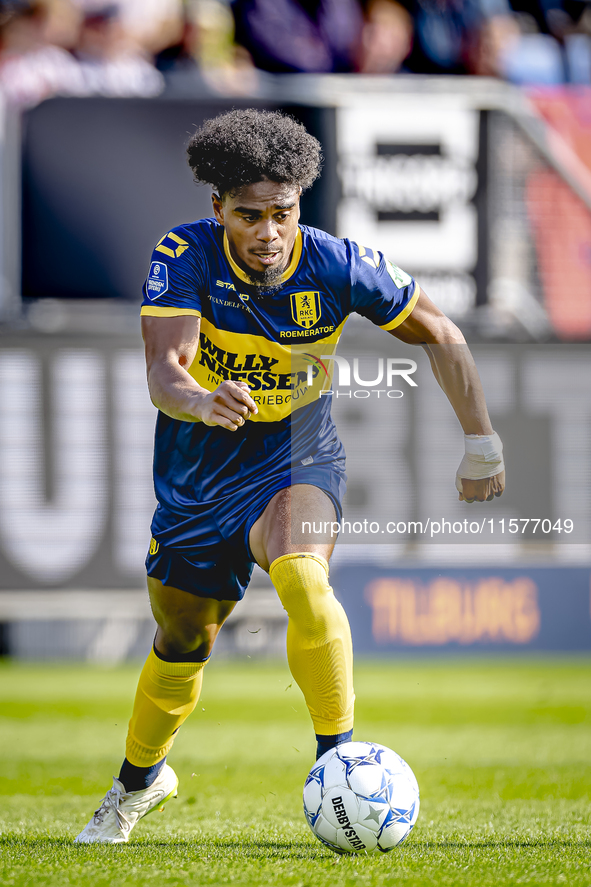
(395, 777)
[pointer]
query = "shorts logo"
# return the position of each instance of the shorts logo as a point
(173, 247)
(154, 546)
(306, 308)
(157, 282)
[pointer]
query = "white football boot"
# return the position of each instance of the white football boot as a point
(120, 810)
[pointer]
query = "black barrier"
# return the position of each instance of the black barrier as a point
(104, 179)
(458, 196)
(456, 610)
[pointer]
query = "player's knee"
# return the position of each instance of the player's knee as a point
(181, 639)
(302, 584)
(183, 628)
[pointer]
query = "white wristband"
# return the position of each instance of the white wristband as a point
(484, 458)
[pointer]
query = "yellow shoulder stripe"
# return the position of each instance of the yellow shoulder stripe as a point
(400, 318)
(161, 311)
(177, 251)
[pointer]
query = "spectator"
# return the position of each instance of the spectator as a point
(532, 58)
(63, 23)
(112, 64)
(152, 24)
(290, 36)
(555, 45)
(494, 45)
(555, 17)
(205, 60)
(178, 55)
(446, 32)
(386, 38)
(31, 69)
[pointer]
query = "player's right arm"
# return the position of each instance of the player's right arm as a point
(171, 344)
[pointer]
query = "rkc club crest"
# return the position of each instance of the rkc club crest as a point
(305, 308)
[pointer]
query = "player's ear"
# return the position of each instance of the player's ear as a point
(218, 208)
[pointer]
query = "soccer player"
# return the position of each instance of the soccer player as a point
(236, 308)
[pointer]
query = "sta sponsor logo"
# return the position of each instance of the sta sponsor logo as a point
(230, 286)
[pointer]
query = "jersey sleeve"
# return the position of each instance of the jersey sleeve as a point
(380, 291)
(176, 276)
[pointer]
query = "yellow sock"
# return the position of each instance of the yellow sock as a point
(166, 695)
(319, 648)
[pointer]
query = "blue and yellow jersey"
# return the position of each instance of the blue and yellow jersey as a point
(269, 340)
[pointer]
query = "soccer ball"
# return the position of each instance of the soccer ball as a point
(361, 796)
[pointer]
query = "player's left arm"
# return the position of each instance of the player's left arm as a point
(455, 370)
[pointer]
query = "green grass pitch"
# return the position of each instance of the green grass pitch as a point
(501, 750)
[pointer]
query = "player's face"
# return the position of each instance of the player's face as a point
(261, 222)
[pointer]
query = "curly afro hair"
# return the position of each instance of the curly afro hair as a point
(242, 147)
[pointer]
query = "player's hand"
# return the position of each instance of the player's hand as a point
(482, 490)
(229, 405)
(481, 475)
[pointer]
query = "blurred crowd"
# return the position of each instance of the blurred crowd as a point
(236, 47)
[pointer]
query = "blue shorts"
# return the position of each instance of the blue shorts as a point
(205, 550)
